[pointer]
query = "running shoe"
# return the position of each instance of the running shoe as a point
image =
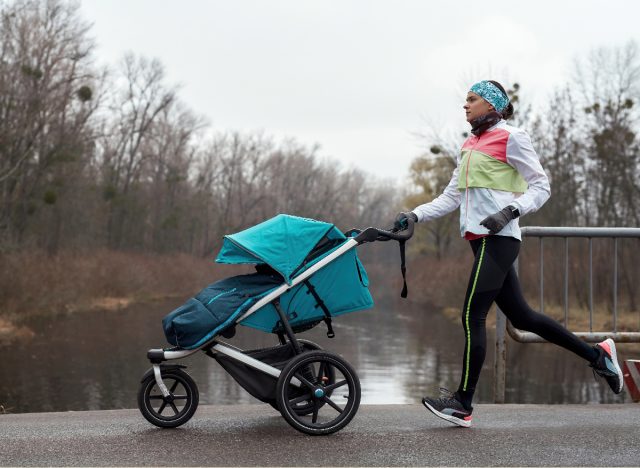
(607, 365)
(448, 407)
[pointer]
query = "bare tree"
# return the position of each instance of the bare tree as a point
(46, 101)
(609, 85)
(142, 98)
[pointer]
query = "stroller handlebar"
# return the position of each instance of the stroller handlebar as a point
(372, 234)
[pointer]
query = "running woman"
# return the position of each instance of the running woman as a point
(498, 178)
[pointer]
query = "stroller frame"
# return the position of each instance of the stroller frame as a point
(291, 379)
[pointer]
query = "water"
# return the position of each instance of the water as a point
(401, 351)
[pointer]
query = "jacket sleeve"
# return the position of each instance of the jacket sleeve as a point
(522, 156)
(448, 201)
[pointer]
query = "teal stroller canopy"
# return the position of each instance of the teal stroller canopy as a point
(282, 242)
(287, 244)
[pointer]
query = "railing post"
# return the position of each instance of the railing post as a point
(500, 360)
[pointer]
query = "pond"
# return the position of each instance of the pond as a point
(401, 351)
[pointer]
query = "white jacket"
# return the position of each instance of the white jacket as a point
(496, 169)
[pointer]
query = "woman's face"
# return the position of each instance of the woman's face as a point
(475, 106)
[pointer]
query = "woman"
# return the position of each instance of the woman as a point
(498, 178)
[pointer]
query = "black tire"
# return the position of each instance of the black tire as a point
(327, 413)
(179, 407)
(302, 410)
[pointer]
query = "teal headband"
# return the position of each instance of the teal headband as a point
(492, 94)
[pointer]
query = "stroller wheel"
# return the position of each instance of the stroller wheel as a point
(171, 411)
(303, 409)
(327, 398)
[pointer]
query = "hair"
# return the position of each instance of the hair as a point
(507, 113)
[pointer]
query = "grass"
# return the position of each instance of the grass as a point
(578, 318)
(35, 284)
(442, 283)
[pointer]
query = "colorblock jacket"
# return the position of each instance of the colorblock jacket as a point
(496, 169)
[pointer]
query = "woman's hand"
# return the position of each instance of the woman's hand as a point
(401, 220)
(497, 221)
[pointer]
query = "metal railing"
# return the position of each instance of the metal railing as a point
(503, 326)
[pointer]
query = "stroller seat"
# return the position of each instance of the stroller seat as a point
(215, 308)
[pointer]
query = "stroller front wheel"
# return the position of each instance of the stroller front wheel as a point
(325, 385)
(171, 411)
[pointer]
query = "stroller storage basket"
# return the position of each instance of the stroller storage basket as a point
(260, 385)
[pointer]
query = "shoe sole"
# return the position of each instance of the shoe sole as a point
(614, 358)
(446, 417)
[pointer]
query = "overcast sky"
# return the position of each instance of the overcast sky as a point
(360, 78)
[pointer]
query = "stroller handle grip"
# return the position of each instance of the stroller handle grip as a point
(372, 234)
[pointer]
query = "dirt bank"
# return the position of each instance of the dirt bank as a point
(35, 284)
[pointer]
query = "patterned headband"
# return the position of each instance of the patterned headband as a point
(492, 94)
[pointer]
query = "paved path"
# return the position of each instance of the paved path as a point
(390, 435)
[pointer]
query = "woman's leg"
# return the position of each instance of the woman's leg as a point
(602, 357)
(512, 303)
(494, 257)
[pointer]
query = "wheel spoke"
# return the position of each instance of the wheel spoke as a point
(174, 386)
(175, 409)
(321, 369)
(162, 407)
(330, 402)
(156, 397)
(335, 385)
(315, 413)
(305, 381)
(180, 397)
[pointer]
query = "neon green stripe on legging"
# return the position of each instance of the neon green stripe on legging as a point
(473, 289)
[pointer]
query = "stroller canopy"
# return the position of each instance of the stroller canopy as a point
(282, 242)
(288, 245)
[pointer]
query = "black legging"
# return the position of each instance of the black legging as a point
(493, 278)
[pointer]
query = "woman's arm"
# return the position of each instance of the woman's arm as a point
(448, 201)
(522, 156)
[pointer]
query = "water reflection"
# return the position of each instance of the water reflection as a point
(400, 351)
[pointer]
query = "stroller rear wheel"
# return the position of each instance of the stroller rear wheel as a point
(301, 408)
(171, 411)
(329, 393)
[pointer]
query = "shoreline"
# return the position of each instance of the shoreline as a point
(12, 330)
(34, 284)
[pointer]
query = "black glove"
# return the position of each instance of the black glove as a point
(497, 221)
(401, 220)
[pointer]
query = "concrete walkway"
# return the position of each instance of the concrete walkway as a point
(390, 435)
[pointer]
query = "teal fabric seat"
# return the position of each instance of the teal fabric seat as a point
(290, 245)
(281, 248)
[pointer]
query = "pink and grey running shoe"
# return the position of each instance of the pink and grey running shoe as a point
(606, 365)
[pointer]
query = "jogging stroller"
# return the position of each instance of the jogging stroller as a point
(307, 272)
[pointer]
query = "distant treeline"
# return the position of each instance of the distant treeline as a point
(111, 158)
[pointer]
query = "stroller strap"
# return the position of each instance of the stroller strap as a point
(320, 303)
(403, 269)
